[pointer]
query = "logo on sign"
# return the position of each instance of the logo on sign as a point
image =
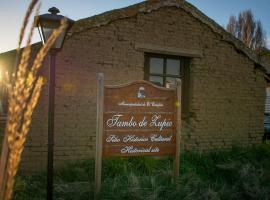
(141, 93)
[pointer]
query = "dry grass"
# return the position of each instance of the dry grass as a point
(24, 91)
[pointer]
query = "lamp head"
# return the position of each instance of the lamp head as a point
(47, 23)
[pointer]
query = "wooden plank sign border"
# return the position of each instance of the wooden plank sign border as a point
(137, 119)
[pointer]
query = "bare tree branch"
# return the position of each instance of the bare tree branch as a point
(247, 29)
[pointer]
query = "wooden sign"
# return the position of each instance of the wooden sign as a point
(137, 119)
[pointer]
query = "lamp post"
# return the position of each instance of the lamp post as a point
(46, 23)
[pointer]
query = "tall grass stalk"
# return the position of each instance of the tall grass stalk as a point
(23, 94)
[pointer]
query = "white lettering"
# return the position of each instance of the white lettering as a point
(112, 139)
(115, 121)
(143, 123)
(154, 104)
(141, 104)
(160, 138)
(132, 149)
(161, 124)
(134, 138)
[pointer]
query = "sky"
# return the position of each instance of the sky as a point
(12, 13)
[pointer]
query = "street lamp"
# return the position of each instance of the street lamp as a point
(46, 24)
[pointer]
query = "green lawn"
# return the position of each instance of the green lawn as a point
(242, 173)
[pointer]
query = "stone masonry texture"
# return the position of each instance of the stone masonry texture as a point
(226, 90)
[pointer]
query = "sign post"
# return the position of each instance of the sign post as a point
(178, 130)
(137, 119)
(99, 133)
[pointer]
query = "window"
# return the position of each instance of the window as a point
(163, 70)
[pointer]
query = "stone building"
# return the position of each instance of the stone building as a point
(264, 57)
(157, 40)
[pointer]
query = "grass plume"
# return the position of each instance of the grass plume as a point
(23, 95)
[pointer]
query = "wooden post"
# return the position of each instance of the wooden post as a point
(99, 132)
(178, 130)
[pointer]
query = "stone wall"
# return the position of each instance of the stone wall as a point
(226, 91)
